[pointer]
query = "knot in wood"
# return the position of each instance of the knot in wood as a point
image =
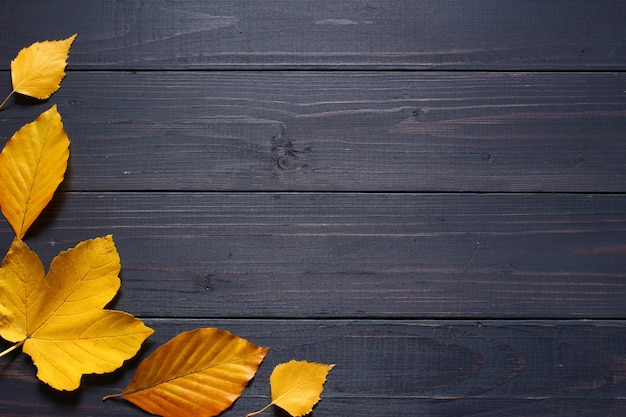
(286, 162)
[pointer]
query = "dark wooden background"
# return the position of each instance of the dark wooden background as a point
(430, 194)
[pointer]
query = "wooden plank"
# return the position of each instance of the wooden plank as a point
(338, 215)
(353, 255)
(408, 34)
(350, 131)
(390, 368)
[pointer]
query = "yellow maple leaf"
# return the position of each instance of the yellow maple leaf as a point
(38, 69)
(200, 372)
(32, 165)
(59, 318)
(297, 386)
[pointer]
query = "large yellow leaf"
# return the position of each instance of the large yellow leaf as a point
(60, 319)
(32, 165)
(297, 386)
(38, 69)
(197, 373)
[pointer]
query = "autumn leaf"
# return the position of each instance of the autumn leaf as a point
(38, 69)
(297, 386)
(201, 372)
(59, 318)
(32, 165)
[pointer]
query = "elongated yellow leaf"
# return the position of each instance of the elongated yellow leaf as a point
(197, 373)
(32, 165)
(297, 386)
(60, 319)
(38, 69)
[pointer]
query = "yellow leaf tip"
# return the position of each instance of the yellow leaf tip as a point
(71, 40)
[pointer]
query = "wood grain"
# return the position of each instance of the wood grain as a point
(429, 193)
(352, 254)
(345, 131)
(389, 368)
(340, 34)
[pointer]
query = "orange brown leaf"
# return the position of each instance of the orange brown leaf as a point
(59, 318)
(201, 372)
(32, 165)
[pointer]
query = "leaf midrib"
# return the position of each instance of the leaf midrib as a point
(181, 376)
(35, 174)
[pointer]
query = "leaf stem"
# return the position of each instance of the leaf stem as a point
(12, 348)
(107, 397)
(7, 99)
(260, 411)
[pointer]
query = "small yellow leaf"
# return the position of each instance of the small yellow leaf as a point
(297, 385)
(32, 165)
(60, 319)
(197, 373)
(38, 69)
